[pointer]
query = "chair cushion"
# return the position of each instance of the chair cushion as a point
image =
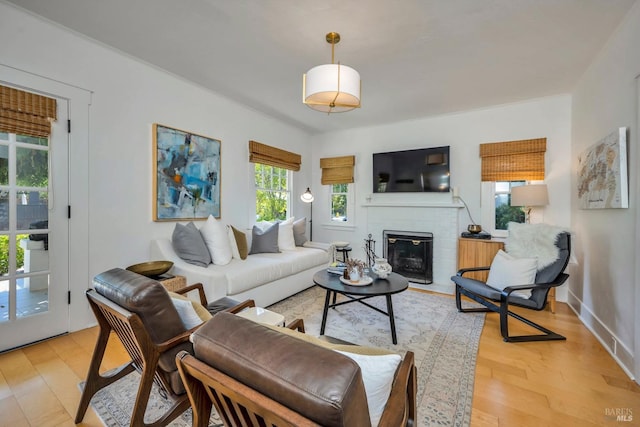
(480, 288)
(507, 270)
(151, 302)
(322, 385)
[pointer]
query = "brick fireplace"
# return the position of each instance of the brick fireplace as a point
(439, 219)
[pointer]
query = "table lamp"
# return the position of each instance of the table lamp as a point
(529, 196)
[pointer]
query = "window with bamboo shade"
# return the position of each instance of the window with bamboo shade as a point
(521, 160)
(26, 113)
(337, 170)
(272, 156)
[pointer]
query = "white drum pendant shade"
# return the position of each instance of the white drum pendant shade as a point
(332, 88)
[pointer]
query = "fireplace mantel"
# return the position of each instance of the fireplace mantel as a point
(411, 205)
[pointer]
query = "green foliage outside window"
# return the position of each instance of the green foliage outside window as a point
(271, 193)
(506, 214)
(4, 253)
(339, 202)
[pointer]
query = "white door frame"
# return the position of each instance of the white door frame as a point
(79, 102)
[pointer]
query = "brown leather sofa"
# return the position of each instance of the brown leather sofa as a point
(276, 378)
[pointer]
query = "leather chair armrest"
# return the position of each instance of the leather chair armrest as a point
(462, 271)
(238, 308)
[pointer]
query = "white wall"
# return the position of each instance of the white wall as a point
(607, 292)
(128, 97)
(463, 132)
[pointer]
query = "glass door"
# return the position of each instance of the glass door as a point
(34, 235)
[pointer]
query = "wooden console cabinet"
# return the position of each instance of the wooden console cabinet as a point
(477, 253)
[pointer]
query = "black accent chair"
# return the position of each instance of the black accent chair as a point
(499, 301)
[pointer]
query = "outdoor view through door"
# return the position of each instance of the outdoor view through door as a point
(33, 236)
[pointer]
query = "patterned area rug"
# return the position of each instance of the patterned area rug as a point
(444, 341)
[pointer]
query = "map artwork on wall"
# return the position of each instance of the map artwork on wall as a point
(186, 174)
(602, 173)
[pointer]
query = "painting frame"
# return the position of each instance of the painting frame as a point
(603, 181)
(186, 175)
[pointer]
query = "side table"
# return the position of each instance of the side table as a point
(173, 283)
(262, 315)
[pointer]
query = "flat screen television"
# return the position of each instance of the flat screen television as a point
(412, 171)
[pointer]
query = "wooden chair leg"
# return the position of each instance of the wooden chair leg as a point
(95, 381)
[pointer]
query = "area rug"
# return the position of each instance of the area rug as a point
(114, 404)
(444, 341)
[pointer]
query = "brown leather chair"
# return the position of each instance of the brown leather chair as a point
(140, 312)
(256, 375)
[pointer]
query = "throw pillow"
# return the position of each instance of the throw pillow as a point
(286, 241)
(265, 241)
(238, 241)
(215, 237)
(377, 375)
(200, 310)
(189, 245)
(507, 270)
(299, 231)
(187, 313)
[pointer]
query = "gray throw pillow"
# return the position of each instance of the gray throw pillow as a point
(265, 241)
(189, 245)
(299, 230)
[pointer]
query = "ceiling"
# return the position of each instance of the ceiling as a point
(416, 58)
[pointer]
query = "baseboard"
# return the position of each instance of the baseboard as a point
(448, 289)
(620, 352)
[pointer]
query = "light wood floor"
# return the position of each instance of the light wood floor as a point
(566, 383)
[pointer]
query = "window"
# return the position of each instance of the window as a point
(339, 202)
(272, 192)
(504, 212)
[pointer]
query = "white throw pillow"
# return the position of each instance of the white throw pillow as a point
(377, 376)
(216, 238)
(286, 241)
(507, 270)
(187, 313)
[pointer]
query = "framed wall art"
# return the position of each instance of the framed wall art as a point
(602, 173)
(186, 175)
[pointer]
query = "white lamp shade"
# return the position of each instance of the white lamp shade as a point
(332, 88)
(307, 196)
(530, 195)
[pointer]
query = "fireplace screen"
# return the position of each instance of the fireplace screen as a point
(410, 254)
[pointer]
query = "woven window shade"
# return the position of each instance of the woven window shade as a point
(26, 113)
(337, 170)
(513, 160)
(268, 155)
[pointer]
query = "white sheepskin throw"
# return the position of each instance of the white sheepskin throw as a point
(534, 241)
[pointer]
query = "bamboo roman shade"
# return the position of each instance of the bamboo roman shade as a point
(26, 113)
(272, 156)
(513, 160)
(337, 170)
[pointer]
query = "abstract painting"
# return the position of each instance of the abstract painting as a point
(186, 182)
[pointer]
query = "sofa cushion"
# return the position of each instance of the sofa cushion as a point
(267, 267)
(265, 240)
(189, 245)
(286, 241)
(299, 231)
(238, 241)
(215, 236)
(322, 385)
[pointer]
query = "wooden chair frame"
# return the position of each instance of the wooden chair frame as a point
(144, 354)
(240, 405)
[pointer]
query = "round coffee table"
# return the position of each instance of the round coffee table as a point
(393, 284)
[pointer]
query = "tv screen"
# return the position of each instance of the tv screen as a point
(411, 171)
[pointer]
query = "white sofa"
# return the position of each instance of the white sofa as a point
(266, 278)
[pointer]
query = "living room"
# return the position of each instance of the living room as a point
(120, 97)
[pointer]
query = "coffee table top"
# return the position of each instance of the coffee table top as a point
(393, 284)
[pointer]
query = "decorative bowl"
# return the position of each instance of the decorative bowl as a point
(474, 228)
(340, 244)
(151, 268)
